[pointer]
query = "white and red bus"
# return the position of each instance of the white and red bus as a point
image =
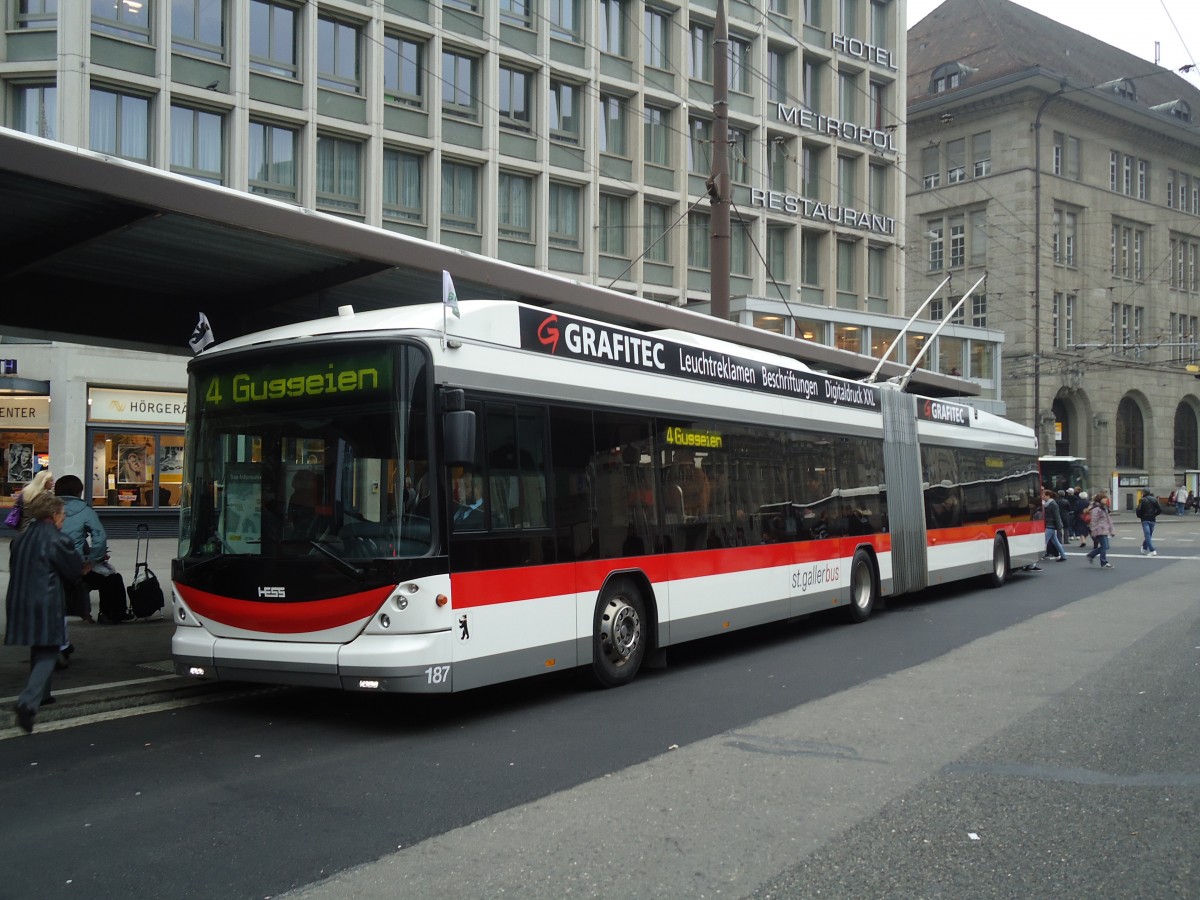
(379, 501)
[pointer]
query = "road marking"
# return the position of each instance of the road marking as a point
(98, 687)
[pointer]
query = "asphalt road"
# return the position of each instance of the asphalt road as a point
(1039, 740)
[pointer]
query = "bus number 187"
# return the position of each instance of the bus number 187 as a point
(437, 674)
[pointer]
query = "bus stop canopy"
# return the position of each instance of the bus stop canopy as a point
(104, 251)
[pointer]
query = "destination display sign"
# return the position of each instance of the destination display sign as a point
(344, 376)
(558, 335)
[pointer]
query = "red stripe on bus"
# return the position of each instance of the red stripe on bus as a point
(470, 589)
(285, 617)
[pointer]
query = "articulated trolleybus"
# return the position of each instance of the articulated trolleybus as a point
(384, 501)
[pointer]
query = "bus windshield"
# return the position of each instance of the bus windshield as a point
(319, 449)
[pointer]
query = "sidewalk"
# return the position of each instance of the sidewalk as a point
(114, 666)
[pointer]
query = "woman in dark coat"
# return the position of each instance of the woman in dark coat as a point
(42, 562)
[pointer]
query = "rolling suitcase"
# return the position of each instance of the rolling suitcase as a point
(145, 593)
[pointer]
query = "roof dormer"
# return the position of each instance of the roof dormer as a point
(948, 76)
(1176, 109)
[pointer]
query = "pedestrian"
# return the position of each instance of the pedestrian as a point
(1192, 504)
(42, 482)
(83, 527)
(1180, 494)
(1052, 513)
(1148, 510)
(1081, 526)
(1101, 524)
(42, 564)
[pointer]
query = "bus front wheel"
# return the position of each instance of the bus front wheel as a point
(619, 634)
(864, 588)
(1001, 566)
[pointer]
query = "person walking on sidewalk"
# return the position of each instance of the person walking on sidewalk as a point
(1101, 524)
(1148, 510)
(42, 563)
(1054, 526)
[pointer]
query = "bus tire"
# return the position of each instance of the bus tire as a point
(864, 587)
(619, 634)
(1001, 564)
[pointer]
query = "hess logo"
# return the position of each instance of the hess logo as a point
(548, 333)
(273, 592)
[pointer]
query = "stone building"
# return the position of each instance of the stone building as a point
(1069, 171)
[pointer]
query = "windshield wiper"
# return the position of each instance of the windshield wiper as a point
(338, 562)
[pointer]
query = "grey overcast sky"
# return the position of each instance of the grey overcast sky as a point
(1134, 27)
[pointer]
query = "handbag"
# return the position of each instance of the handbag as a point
(13, 519)
(1087, 517)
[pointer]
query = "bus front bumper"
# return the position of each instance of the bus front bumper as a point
(401, 663)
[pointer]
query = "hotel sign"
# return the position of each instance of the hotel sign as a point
(878, 139)
(851, 46)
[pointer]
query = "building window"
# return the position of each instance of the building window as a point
(811, 86)
(739, 65)
(514, 207)
(812, 175)
(1129, 434)
(516, 12)
(516, 99)
(981, 154)
(877, 271)
(35, 109)
(739, 244)
(459, 87)
(699, 234)
(564, 112)
(1114, 165)
(1185, 437)
(848, 96)
(404, 71)
(614, 27)
(701, 60)
(614, 210)
(847, 266)
(956, 161)
(460, 196)
(847, 181)
(1063, 237)
(129, 20)
(1143, 180)
(120, 125)
(656, 135)
(958, 242)
(813, 12)
(37, 14)
(1127, 175)
(700, 146)
(198, 28)
(811, 258)
(563, 222)
(613, 128)
(564, 19)
(403, 185)
(777, 76)
(937, 250)
(658, 38)
(930, 167)
(273, 38)
(272, 161)
(778, 239)
(198, 144)
(978, 243)
(656, 223)
(979, 310)
(338, 56)
(739, 156)
(779, 163)
(339, 179)
(878, 103)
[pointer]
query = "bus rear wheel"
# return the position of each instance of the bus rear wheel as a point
(864, 587)
(619, 634)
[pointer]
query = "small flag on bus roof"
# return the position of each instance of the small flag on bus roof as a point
(202, 336)
(449, 297)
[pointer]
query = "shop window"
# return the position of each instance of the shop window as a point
(136, 470)
(22, 454)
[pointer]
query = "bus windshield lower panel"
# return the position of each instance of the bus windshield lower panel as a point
(321, 452)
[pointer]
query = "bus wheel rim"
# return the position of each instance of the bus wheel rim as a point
(862, 586)
(620, 631)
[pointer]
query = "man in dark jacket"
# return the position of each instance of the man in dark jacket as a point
(1148, 510)
(83, 527)
(1054, 527)
(42, 562)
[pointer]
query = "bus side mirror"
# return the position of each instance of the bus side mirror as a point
(458, 437)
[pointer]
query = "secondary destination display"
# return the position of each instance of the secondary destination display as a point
(559, 335)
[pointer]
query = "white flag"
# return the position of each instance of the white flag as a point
(449, 297)
(202, 336)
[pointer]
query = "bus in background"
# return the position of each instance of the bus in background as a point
(1062, 472)
(389, 502)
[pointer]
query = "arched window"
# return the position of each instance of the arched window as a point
(1130, 450)
(1185, 438)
